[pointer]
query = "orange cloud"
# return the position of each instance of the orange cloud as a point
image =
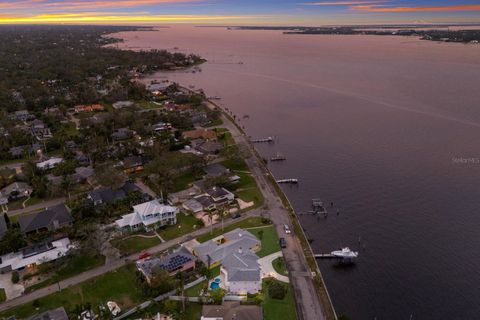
(376, 8)
(92, 17)
(339, 3)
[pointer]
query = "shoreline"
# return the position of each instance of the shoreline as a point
(308, 254)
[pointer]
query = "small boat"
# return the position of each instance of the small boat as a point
(345, 253)
(288, 181)
(278, 157)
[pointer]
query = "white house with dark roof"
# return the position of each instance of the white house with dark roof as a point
(149, 216)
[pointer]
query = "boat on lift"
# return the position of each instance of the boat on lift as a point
(278, 157)
(345, 253)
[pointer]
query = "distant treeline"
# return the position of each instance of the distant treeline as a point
(42, 66)
(463, 36)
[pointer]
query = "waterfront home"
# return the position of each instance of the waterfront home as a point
(50, 219)
(149, 216)
(209, 147)
(205, 201)
(214, 251)
(108, 195)
(173, 263)
(241, 272)
(49, 163)
(200, 134)
(34, 255)
(229, 310)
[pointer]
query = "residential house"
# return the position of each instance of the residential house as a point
(122, 134)
(161, 127)
(175, 262)
(20, 151)
(35, 255)
(40, 130)
(220, 195)
(49, 163)
(149, 216)
(214, 251)
(241, 272)
(55, 314)
(108, 195)
(218, 170)
(231, 310)
(181, 196)
(199, 118)
(123, 104)
(193, 205)
(88, 108)
(209, 147)
(132, 164)
(22, 115)
(200, 134)
(16, 191)
(205, 201)
(51, 219)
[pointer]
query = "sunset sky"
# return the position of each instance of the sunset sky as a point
(238, 12)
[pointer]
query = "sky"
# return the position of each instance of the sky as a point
(240, 12)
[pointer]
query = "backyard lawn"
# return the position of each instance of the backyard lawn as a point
(274, 309)
(269, 240)
(135, 243)
(119, 286)
(3, 295)
(185, 224)
(236, 165)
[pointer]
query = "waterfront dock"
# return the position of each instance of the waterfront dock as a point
(293, 181)
(262, 140)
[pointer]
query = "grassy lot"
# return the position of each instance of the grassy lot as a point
(279, 309)
(135, 243)
(3, 295)
(76, 266)
(216, 122)
(119, 286)
(185, 224)
(269, 240)
(251, 194)
(67, 130)
(184, 181)
(236, 165)
(245, 224)
(279, 266)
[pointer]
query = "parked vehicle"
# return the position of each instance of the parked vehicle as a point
(282, 242)
(287, 229)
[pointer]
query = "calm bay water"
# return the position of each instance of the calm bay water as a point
(385, 127)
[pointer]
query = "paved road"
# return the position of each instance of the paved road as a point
(37, 206)
(308, 303)
(113, 265)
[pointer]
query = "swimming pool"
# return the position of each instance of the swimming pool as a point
(215, 284)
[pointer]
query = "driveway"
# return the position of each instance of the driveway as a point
(11, 290)
(267, 268)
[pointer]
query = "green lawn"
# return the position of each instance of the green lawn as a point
(3, 295)
(251, 194)
(279, 309)
(245, 224)
(185, 224)
(279, 266)
(236, 165)
(135, 243)
(184, 181)
(119, 286)
(269, 240)
(75, 266)
(246, 181)
(216, 122)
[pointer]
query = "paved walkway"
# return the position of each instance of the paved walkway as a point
(267, 268)
(11, 290)
(145, 189)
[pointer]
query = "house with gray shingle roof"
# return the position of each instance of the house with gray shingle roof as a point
(55, 314)
(214, 251)
(49, 219)
(242, 272)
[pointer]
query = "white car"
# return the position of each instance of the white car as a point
(287, 229)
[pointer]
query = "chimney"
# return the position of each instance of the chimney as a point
(240, 251)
